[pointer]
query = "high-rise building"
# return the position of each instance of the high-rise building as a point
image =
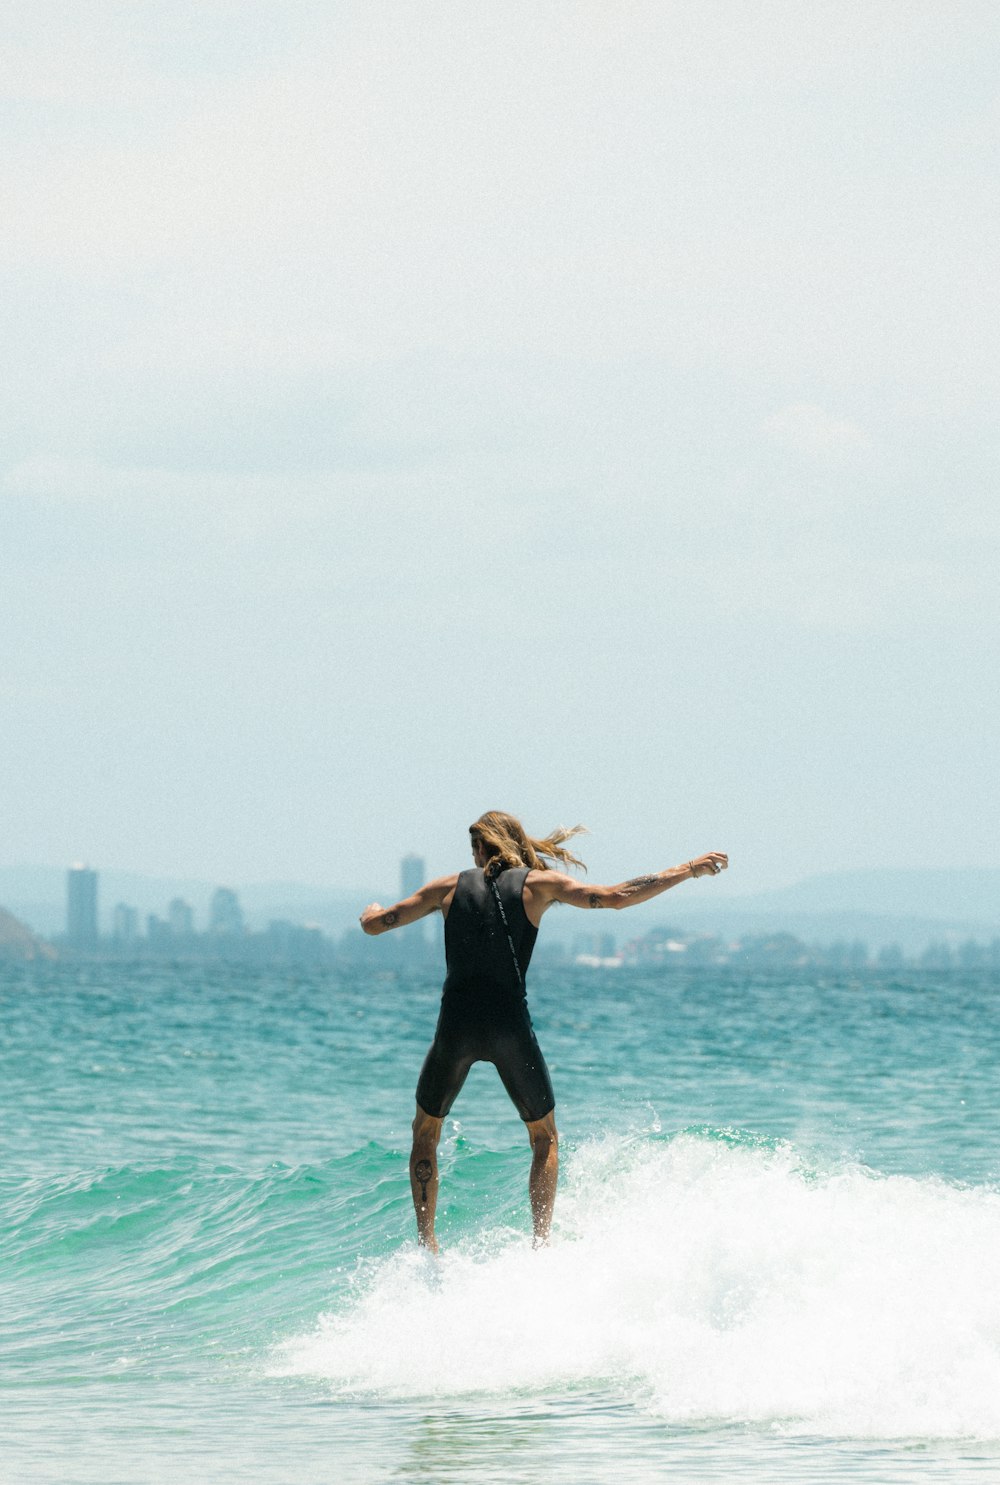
(180, 916)
(225, 915)
(125, 925)
(81, 907)
(158, 935)
(413, 875)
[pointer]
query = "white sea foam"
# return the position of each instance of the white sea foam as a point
(709, 1284)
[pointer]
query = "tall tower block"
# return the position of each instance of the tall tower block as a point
(81, 907)
(413, 874)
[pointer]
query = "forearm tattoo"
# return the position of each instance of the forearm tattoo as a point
(390, 919)
(639, 884)
(423, 1171)
(627, 889)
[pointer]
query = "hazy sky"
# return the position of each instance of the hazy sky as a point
(585, 409)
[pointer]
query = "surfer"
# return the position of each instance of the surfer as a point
(492, 914)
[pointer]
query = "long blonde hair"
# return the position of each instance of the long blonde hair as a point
(507, 843)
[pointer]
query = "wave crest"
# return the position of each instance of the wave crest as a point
(707, 1280)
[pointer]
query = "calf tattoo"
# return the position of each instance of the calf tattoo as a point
(390, 919)
(594, 900)
(423, 1170)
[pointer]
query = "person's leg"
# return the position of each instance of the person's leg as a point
(424, 1175)
(519, 1061)
(544, 1174)
(445, 1069)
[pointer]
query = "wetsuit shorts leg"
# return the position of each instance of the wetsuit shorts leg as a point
(465, 1035)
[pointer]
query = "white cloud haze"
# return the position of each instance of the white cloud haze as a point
(584, 410)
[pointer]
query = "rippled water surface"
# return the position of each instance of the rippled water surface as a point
(774, 1258)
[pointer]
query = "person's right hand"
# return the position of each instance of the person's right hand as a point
(709, 865)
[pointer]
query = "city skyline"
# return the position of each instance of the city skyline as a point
(933, 926)
(227, 934)
(957, 893)
(927, 918)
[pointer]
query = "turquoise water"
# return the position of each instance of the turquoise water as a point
(774, 1257)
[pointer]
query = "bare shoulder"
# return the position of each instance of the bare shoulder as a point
(549, 886)
(441, 886)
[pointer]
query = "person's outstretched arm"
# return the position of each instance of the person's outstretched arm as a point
(430, 899)
(545, 887)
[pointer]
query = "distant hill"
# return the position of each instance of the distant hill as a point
(908, 907)
(940, 893)
(18, 942)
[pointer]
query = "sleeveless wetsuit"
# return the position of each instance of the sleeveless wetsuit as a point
(484, 1008)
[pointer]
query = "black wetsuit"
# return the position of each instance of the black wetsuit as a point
(484, 1008)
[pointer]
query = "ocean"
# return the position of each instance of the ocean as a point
(775, 1253)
